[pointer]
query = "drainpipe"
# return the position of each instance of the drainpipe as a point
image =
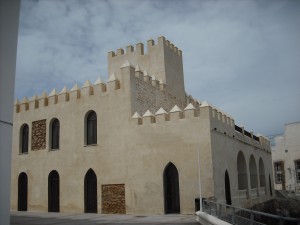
(199, 174)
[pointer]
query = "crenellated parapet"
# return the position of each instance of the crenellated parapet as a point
(242, 134)
(218, 116)
(150, 93)
(224, 124)
(65, 95)
(163, 60)
(221, 122)
(161, 115)
(140, 50)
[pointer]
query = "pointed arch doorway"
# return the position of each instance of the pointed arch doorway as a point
(90, 192)
(227, 189)
(53, 191)
(171, 189)
(22, 192)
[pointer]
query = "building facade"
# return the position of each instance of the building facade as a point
(286, 159)
(131, 145)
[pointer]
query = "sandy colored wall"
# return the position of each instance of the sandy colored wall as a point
(126, 153)
(130, 152)
(226, 145)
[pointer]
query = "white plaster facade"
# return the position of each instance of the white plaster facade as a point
(9, 24)
(149, 133)
(286, 158)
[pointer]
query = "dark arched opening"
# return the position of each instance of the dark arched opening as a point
(227, 189)
(53, 191)
(253, 172)
(171, 189)
(90, 192)
(253, 177)
(242, 176)
(22, 192)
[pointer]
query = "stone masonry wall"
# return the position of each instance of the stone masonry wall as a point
(113, 199)
(38, 140)
(151, 98)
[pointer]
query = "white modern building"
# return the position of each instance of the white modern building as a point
(286, 158)
(9, 24)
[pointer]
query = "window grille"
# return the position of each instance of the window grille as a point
(278, 167)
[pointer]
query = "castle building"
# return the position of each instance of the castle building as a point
(137, 144)
(286, 159)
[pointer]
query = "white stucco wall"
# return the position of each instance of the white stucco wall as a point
(9, 22)
(287, 149)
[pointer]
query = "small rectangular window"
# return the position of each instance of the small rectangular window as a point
(278, 168)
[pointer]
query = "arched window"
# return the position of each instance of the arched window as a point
(24, 135)
(54, 134)
(91, 128)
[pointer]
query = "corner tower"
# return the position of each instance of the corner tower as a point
(163, 60)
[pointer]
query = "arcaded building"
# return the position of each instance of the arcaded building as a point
(131, 145)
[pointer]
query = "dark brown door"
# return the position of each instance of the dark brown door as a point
(90, 192)
(53, 191)
(22, 192)
(171, 189)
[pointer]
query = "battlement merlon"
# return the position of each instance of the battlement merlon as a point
(224, 124)
(162, 59)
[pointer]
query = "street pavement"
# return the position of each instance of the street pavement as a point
(45, 218)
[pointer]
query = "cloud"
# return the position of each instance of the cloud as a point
(242, 56)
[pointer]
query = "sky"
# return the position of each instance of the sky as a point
(243, 57)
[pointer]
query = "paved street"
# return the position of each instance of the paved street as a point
(42, 218)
